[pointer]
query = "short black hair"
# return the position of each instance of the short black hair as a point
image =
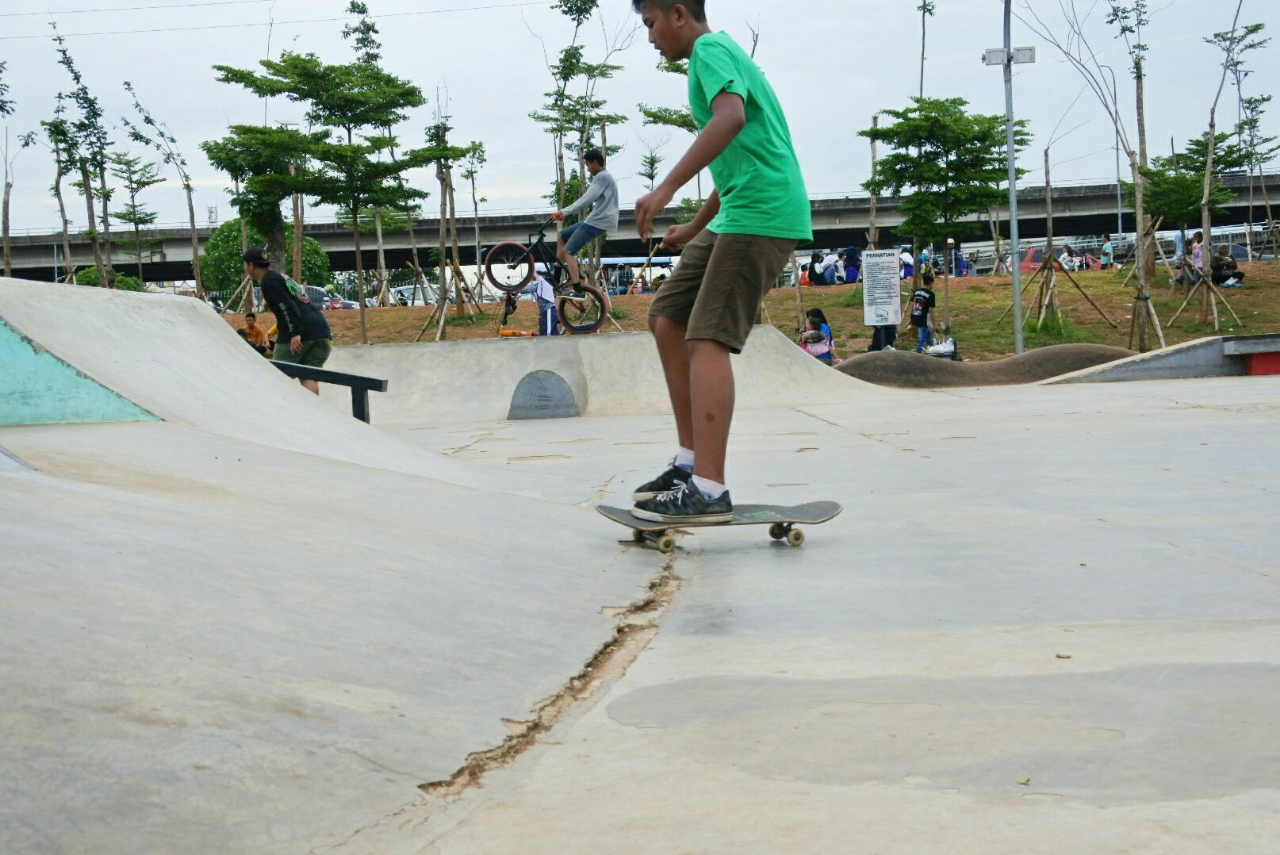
(248, 315)
(594, 155)
(696, 8)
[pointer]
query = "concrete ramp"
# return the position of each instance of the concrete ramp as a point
(1187, 361)
(608, 375)
(258, 624)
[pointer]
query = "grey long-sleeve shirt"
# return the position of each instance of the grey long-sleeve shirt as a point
(603, 193)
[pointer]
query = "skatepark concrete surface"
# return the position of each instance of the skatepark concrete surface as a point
(1047, 621)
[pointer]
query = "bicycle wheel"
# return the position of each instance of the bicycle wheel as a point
(583, 314)
(509, 267)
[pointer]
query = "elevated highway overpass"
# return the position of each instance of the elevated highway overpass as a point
(1078, 210)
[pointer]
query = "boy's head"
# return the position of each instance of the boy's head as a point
(674, 25)
(926, 279)
(256, 263)
(250, 319)
(594, 160)
(1106, 238)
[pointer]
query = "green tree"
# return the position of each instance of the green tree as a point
(58, 141)
(1228, 157)
(1174, 195)
(88, 140)
(120, 282)
(223, 264)
(156, 135)
(6, 106)
(135, 177)
(952, 161)
(346, 163)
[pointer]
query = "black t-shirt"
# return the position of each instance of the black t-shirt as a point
(295, 315)
(921, 302)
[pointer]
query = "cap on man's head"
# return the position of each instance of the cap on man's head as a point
(257, 256)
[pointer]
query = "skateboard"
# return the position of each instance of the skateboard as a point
(781, 519)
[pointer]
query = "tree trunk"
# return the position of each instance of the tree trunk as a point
(62, 212)
(444, 238)
(137, 248)
(873, 231)
(1145, 224)
(475, 210)
(195, 245)
(4, 227)
(1141, 312)
(355, 233)
(104, 197)
(384, 280)
(453, 225)
(87, 181)
(924, 37)
(993, 221)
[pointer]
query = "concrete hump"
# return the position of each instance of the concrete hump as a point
(549, 395)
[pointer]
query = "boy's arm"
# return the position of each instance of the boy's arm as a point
(729, 117)
(593, 193)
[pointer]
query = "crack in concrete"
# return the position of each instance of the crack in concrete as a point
(637, 626)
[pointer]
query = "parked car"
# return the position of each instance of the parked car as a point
(410, 295)
(337, 301)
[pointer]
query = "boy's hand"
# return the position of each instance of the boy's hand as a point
(295, 344)
(649, 206)
(678, 236)
(558, 216)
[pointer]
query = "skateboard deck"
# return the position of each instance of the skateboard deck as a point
(781, 519)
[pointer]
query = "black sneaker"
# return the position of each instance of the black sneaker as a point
(571, 291)
(685, 504)
(672, 479)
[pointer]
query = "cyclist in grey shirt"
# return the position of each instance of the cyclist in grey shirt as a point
(603, 196)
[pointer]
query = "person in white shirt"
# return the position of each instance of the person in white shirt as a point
(545, 294)
(908, 264)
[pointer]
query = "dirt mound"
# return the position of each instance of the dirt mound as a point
(908, 370)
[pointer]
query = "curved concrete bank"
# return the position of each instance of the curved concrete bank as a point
(258, 625)
(466, 381)
(904, 369)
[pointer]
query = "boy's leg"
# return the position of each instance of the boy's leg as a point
(921, 332)
(673, 350)
(568, 260)
(711, 400)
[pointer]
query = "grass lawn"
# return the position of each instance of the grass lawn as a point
(976, 305)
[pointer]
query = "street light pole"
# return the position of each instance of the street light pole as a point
(1018, 343)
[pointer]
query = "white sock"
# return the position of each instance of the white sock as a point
(709, 489)
(684, 458)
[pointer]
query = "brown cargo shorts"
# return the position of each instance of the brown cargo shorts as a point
(719, 284)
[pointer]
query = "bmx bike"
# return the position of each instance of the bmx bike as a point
(511, 266)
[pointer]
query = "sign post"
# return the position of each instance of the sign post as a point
(881, 288)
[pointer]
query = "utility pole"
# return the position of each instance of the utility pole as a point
(1008, 57)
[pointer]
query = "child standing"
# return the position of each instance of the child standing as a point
(818, 340)
(924, 314)
(736, 247)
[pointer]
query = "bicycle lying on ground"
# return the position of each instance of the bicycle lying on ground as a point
(511, 266)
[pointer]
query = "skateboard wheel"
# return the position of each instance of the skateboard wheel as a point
(777, 531)
(795, 537)
(666, 544)
(637, 535)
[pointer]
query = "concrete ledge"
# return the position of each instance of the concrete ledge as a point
(1250, 345)
(1191, 360)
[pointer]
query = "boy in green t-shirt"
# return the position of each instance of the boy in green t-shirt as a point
(735, 249)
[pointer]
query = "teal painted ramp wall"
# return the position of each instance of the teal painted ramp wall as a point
(37, 388)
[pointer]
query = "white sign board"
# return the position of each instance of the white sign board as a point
(881, 288)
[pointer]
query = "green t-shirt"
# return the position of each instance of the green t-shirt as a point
(758, 176)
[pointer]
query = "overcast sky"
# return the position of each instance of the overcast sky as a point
(834, 63)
